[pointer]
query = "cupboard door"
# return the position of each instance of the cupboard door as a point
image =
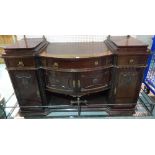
(94, 80)
(26, 87)
(128, 83)
(61, 82)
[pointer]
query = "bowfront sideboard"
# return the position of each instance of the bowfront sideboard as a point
(78, 76)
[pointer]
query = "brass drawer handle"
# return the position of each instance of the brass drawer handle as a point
(115, 91)
(20, 64)
(38, 93)
(79, 84)
(131, 61)
(73, 83)
(22, 77)
(55, 65)
(96, 63)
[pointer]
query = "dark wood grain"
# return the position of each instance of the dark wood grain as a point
(28, 43)
(39, 70)
(126, 41)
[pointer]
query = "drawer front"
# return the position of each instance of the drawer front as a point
(132, 60)
(77, 63)
(20, 62)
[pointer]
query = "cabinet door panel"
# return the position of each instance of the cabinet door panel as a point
(128, 84)
(26, 87)
(94, 80)
(60, 81)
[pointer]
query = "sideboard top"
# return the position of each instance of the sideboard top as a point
(32, 46)
(28, 43)
(126, 41)
(76, 50)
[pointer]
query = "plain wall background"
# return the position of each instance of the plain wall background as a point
(68, 38)
(84, 38)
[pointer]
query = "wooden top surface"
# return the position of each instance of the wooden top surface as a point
(28, 43)
(126, 41)
(76, 50)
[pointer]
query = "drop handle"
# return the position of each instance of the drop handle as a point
(79, 83)
(22, 77)
(115, 91)
(73, 83)
(38, 93)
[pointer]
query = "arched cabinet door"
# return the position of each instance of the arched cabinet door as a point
(128, 83)
(61, 82)
(26, 87)
(94, 81)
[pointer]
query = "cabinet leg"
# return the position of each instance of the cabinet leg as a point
(79, 102)
(79, 107)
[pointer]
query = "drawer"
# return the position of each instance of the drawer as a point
(77, 63)
(20, 62)
(132, 60)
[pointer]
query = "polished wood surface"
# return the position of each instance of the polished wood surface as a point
(76, 50)
(79, 70)
(29, 43)
(76, 65)
(126, 41)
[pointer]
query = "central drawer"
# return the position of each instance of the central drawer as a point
(78, 63)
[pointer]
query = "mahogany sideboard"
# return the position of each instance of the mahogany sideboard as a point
(78, 76)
